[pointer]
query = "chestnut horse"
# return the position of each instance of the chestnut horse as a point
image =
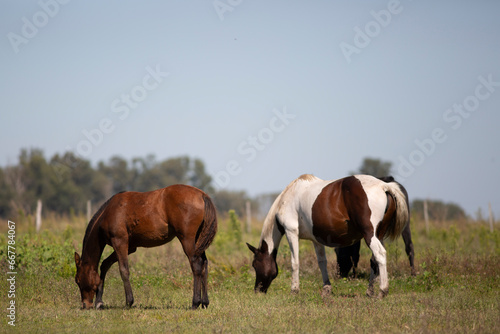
(335, 214)
(132, 219)
(348, 257)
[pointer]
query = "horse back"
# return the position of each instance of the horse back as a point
(150, 219)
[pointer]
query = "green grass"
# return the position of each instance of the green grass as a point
(457, 288)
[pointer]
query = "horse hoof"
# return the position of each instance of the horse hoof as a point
(369, 292)
(327, 290)
(383, 293)
(99, 306)
(295, 291)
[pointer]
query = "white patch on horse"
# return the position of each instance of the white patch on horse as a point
(377, 199)
(379, 253)
(295, 205)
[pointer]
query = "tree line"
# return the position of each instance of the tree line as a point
(65, 183)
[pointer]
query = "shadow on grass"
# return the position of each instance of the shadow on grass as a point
(168, 306)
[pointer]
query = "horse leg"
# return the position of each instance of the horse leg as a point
(379, 253)
(293, 241)
(199, 267)
(409, 248)
(204, 283)
(322, 263)
(106, 264)
(198, 264)
(355, 258)
(374, 273)
(122, 255)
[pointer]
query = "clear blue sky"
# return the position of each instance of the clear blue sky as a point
(262, 91)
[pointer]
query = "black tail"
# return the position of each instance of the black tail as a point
(208, 228)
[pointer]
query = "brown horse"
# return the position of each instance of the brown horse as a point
(132, 219)
(334, 213)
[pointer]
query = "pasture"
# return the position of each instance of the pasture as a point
(457, 288)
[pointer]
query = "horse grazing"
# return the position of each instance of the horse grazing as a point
(331, 213)
(348, 257)
(133, 219)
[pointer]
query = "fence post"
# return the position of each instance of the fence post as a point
(249, 216)
(426, 217)
(38, 218)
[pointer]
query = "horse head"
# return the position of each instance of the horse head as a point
(266, 268)
(88, 280)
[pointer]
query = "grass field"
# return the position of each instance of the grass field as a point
(457, 288)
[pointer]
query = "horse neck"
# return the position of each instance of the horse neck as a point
(270, 231)
(92, 248)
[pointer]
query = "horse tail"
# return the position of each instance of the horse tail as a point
(400, 195)
(208, 228)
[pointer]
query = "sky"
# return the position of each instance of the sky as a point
(262, 91)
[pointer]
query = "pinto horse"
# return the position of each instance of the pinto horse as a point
(348, 257)
(331, 213)
(133, 219)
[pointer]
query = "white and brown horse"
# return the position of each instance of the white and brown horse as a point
(331, 213)
(348, 257)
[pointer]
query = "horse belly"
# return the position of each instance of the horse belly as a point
(151, 234)
(337, 234)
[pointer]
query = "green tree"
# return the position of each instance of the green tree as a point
(6, 194)
(118, 172)
(374, 167)
(67, 182)
(226, 200)
(199, 177)
(75, 184)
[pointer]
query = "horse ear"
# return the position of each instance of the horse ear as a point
(77, 259)
(252, 248)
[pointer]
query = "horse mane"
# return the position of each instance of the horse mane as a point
(94, 220)
(306, 177)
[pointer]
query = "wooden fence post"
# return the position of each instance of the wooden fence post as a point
(38, 218)
(426, 217)
(249, 216)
